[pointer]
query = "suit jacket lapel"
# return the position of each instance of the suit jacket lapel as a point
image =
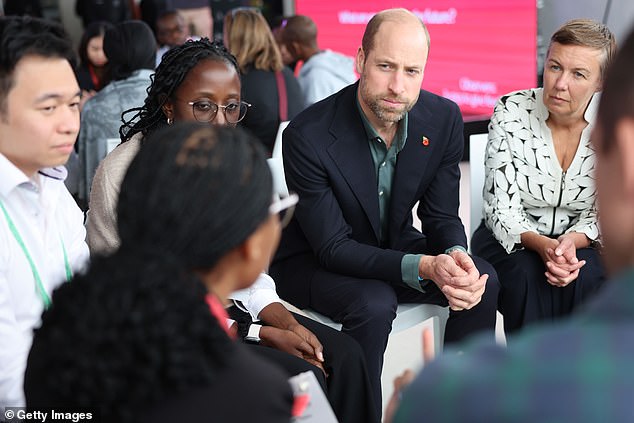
(410, 165)
(351, 154)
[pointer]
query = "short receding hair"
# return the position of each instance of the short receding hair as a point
(392, 15)
(22, 36)
(587, 33)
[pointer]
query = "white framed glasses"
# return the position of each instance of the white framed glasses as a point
(284, 207)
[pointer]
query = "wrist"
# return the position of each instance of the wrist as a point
(267, 334)
(534, 241)
(456, 248)
(424, 267)
(578, 239)
(276, 315)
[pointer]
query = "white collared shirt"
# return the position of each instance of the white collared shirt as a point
(45, 216)
(254, 298)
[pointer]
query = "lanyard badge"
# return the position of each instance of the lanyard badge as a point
(46, 299)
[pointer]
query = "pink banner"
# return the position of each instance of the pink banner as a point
(480, 50)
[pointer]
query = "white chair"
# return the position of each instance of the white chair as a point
(277, 165)
(477, 149)
(407, 316)
(277, 171)
(277, 146)
(404, 348)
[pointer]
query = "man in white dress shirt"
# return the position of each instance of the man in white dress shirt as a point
(41, 228)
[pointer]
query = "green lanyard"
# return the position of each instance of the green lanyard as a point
(36, 275)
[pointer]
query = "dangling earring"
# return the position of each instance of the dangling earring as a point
(169, 121)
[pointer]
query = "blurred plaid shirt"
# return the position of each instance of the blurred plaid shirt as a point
(577, 370)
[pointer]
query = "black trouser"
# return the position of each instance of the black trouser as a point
(367, 307)
(347, 385)
(525, 295)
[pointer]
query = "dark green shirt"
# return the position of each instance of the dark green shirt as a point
(384, 164)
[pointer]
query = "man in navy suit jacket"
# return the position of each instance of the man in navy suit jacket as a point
(360, 160)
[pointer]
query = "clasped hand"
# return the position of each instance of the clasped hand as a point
(457, 277)
(560, 258)
(297, 341)
(286, 334)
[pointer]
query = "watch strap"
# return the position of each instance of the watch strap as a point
(253, 333)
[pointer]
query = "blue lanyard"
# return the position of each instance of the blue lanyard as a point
(36, 275)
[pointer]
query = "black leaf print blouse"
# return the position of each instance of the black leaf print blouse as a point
(525, 187)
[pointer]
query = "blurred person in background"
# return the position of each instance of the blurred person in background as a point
(151, 9)
(113, 11)
(171, 31)
(92, 75)
(22, 7)
(92, 70)
(268, 85)
(198, 16)
(130, 49)
(323, 72)
(287, 58)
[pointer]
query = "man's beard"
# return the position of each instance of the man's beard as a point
(386, 114)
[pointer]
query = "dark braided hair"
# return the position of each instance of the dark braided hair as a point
(207, 191)
(123, 337)
(170, 73)
(134, 330)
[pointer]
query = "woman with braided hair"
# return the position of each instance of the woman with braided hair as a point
(196, 81)
(141, 335)
(200, 81)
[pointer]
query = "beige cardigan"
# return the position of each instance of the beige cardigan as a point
(101, 225)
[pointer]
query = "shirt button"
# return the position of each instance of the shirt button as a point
(380, 193)
(383, 164)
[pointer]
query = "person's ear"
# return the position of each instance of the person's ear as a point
(250, 248)
(168, 109)
(360, 63)
(624, 133)
(295, 49)
(252, 251)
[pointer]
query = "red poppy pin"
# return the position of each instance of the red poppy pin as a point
(425, 141)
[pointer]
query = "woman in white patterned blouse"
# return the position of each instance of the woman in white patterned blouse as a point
(540, 219)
